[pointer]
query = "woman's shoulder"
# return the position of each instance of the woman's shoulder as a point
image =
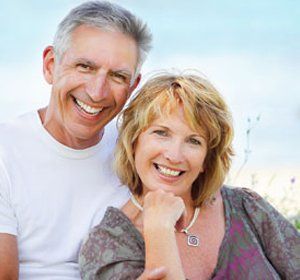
(241, 198)
(240, 193)
(250, 206)
(113, 219)
(114, 240)
(115, 230)
(258, 212)
(279, 238)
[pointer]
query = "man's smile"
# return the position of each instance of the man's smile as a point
(86, 108)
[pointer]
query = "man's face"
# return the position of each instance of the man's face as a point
(90, 84)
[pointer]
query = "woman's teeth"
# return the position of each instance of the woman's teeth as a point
(88, 109)
(167, 171)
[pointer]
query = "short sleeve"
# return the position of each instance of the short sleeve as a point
(111, 252)
(8, 221)
(279, 238)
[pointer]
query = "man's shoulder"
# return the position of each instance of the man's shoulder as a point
(15, 130)
(110, 136)
(17, 124)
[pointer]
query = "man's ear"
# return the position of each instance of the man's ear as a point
(135, 84)
(48, 64)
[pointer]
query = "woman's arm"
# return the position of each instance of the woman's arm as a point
(161, 212)
(279, 238)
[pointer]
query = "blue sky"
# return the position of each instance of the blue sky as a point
(249, 49)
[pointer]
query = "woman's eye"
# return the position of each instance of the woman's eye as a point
(160, 132)
(195, 141)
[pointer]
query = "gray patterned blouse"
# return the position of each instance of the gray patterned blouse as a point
(259, 243)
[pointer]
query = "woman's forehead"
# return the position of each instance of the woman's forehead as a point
(160, 117)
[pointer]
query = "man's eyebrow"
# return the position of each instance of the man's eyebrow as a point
(123, 72)
(86, 61)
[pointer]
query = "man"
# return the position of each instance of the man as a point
(55, 173)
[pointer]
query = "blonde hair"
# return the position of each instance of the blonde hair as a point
(204, 110)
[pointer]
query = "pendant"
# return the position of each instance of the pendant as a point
(193, 240)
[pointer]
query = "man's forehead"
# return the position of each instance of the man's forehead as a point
(84, 31)
(96, 47)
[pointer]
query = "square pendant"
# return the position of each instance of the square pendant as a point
(193, 240)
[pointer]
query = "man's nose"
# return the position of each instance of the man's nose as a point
(97, 87)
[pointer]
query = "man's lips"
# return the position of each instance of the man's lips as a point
(93, 111)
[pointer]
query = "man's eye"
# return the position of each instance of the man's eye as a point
(160, 132)
(119, 78)
(83, 67)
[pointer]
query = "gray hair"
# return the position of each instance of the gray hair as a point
(108, 16)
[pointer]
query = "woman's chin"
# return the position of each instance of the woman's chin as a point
(169, 189)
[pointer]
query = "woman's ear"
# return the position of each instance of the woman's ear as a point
(48, 64)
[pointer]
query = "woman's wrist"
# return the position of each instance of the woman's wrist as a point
(158, 226)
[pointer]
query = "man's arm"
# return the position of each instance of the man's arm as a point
(9, 263)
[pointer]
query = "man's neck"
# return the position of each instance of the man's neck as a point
(60, 135)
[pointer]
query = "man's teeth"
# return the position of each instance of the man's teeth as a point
(167, 171)
(88, 109)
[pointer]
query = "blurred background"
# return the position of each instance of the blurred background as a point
(250, 50)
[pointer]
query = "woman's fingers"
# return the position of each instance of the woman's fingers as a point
(162, 207)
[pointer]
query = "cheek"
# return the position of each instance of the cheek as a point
(66, 83)
(198, 163)
(120, 94)
(138, 160)
(140, 154)
(143, 155)
(141, 166)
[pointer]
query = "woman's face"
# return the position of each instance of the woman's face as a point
(169, 155)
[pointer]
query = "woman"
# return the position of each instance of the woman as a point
(173, 153)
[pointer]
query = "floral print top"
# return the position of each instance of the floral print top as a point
(259, 243)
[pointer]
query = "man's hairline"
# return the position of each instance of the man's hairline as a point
(139, 62)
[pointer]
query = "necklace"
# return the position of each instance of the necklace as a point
(192, 240)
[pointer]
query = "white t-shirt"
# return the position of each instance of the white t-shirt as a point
(51, 195)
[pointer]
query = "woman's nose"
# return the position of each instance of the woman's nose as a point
(173, 152)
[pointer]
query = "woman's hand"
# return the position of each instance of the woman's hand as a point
(162, 210)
